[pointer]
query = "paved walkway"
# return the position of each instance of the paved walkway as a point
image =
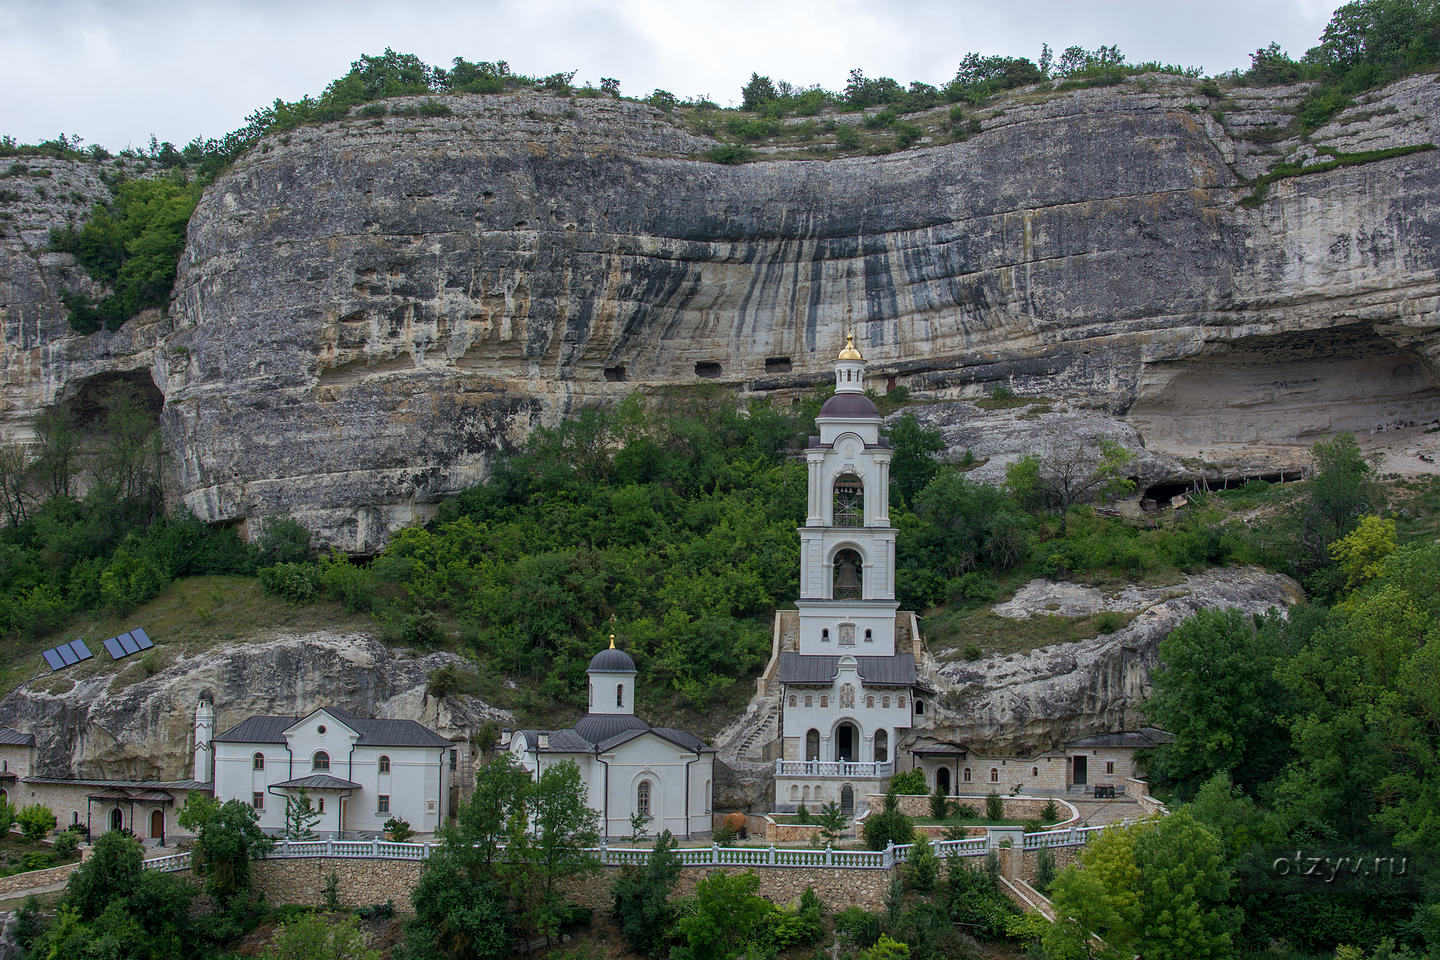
(1093, 812)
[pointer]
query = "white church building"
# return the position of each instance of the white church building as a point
(847, 686)
(629, 767)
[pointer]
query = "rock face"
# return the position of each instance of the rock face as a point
(366, 311)
(1026, 703)
(146, 730)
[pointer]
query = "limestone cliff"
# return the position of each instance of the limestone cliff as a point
(145, 730)
(366, 311)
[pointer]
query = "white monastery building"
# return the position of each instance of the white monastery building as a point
(358, 773)
(628, 766)
(847, 690)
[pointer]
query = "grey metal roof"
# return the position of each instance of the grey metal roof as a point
(896, 671)
(14, 738)
(122, 784)
(612, 661)
(598, 727)
(319, 781)
(373, 733)
(597, 733)
(1141, 739)
(851, 406)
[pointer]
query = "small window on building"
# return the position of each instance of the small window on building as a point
(74, 818)
(809, 701)
(1109, 766)
(825, 635)
(869, 638)
(384, 764)
(320, 729)
(919, 708)
(321, 761)
(870, 702)
(994, 775)
(321, 805)
(257, 800)
(794, 791)
(966, 776)
(454, 759)
(885, 702)
(619, 694)
(382, 803)
(1034, 771)
(257, 762)
(642, 798)
(4, 766)
(824, 701)
(900, 703)
(792, 699)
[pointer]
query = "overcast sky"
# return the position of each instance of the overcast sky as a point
(117, 71)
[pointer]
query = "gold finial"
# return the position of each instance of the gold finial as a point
(849, 353)
(612, 641)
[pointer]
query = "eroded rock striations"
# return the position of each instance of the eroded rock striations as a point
(366, 311)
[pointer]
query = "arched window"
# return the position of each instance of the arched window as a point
(994, 775)
(966, 775)
(900, 703)
(117, 819)
(794, 791)
(321, 761)
(257, 762)
(1034, 771)
(869, 638)
(849, 582)
(825, 635)
(847, 800)
(824, 701)
(74, 815)
(919, 708)
(849, 501)
(885, 702)
(809, 701)
(619, 694)
(870, 702)
(812, 745)
(805, 793)
(792, 699)
(882, 746)
(642, 798)
(590, 695)
(708, 803)
(384, 765)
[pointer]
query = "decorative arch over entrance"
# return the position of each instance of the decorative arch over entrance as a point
(157, 824)
(117, 819)
(942, 780)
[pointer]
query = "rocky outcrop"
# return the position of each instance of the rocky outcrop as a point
(367, 311)
(145, 730)
(1023, 703)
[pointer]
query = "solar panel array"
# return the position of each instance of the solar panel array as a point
(128, 643)
(66, 654)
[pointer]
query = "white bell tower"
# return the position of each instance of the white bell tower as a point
(204, 733)
(847, 546)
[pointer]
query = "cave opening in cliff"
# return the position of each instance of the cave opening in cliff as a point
(1159, 495)
(708, 369)
(92, 401)
(615, 374)
(777, 365)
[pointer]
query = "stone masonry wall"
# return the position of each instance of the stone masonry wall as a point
(19, 883)
(361, 882)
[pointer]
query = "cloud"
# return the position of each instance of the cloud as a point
(117, 72)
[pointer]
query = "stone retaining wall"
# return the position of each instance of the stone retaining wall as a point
(1015, 808)
(20, 883)
(362, 882)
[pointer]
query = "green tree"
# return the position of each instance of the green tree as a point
(562, 827)
(912, 461)
(300, 816)
(642, 898)
(227, 839)
(832, 823)
(1215, 689)
(318, 936)
(114, 867)
(7, 816)
(889, 826)
(722, 918)
(35, 822)
(1342, 490)
(757, 91)
(922, 867)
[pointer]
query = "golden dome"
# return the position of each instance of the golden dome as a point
(849, 353)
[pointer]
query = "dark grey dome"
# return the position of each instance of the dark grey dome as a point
(850, 405)
(612, 661)
(599, 727)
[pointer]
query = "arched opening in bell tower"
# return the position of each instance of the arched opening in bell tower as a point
(849, 574)
(848, 501)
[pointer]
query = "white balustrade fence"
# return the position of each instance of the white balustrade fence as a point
(711, 856)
